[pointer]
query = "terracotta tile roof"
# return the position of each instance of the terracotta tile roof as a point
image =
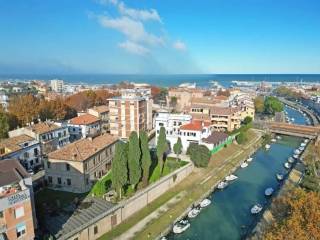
(215, 137)
(223, 110)
(43, 127)
(12, 144)
(195, 125)
(205, 101)
(101, 109)
(83, 149)
(11, 171)
(221, 97)
(84, 119)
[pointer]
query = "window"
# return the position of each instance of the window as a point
(48, 164)
(21, 230)
(59, 180)
(26, 155)
(50, 179)
(35, 151)
(68, 181)
(95, 229)
(87, 181)
(2, 151)
(67, 166)
(19, 212)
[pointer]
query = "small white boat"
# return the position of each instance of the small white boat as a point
(256, 209)
(181, 226)
(297, 151)
(231, 177)
(291, 160)
(278, 137)
(287, 165)
(268, 192)
(244, 165)
(205, 202)
(194, 212)
(303, 144)
(273, 140)
(222, 185)
(267, 146)
(292, 119)
(306, 140)
(249, 159)
(301, 149)
(296, 156)
(280, 177)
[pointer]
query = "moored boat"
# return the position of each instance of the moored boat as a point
(278, 137)
(291, 160)
(256, 209)
(301, 149)
(249, 159)
(280, 177)
(181, 226)
(244, 165)
(194, 212)
(297, 151)
(231, 177)
(296, 156)
(222, 185)
(267, 146)
(303, 144)
(205, 202)
(268, 192)
(287, 165)
(273, 140)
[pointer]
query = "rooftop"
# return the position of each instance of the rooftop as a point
(11, 172)
(101, 109)
(83, 149)
(84, 119)
(43, 127)
(215, 137)
(223, 110)
(13, 144)
(195, 125)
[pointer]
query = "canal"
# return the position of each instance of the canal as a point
(228, 216)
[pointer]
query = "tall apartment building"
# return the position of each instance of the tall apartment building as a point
(57, 85)
(17, 212)
(132, 111)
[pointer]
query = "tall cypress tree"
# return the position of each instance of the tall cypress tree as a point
(4, 125)
(161, 147)
(146, 158)
(120, 168)
(177, 147)
(134, 155)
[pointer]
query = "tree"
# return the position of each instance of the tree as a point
(162, 147)
(134, 155)
(297, 216)
(173, 101)
(225, 93)
(272, 105)
(177, 147)
(241, 137)
(4, 125)
(192, 147)
(119, 168)
(247, 120)
(146, 157)
(259, 104)
(200, 156)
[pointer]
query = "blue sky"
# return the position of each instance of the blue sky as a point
(159, 36)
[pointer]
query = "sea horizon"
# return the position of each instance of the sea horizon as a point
(165, 80)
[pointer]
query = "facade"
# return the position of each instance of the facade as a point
(183, 96)
(101, 112)
(57, 85)
(4, 100)
(24, 148)
(50, 135)
(83, 126)
(130, 112)
(17, 212)
(75, 167)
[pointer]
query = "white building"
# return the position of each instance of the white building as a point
(24, 148)
(4, 100)
(57, 85)
(83, 126)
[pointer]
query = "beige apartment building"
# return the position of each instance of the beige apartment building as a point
(130, 112)
(184, 96)
(75, 167)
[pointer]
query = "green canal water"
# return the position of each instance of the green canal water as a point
(228, 216)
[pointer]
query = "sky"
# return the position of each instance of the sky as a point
(159, 36)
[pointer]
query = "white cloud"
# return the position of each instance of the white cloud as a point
(132, 29)
(139, 14)
(179, 45)
(134, 48)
